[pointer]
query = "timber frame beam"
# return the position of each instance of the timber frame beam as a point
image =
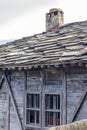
(1, 81)
(79, 105)
(14, 102)
(4, 77)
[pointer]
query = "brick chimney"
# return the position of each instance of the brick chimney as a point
(54, 19)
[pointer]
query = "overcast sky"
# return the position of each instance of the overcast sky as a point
(21, 18)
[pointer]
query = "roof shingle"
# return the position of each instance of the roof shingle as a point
(66, 45)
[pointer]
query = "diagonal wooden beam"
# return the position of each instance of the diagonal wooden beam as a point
(14, 102)
(1, 81)
(79, 105)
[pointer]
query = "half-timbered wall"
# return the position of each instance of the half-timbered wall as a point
(3, 105)
(70, 84)
(11, 101)
(17, 83)
(76, 94)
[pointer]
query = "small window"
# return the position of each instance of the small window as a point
(33, 109)
(52, 110)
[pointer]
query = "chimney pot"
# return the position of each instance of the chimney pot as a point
(54, 19)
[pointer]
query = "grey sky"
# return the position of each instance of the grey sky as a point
(12, 8)
(21, 18)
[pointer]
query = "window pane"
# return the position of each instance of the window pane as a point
(57, 115)
(32, 100)
(28, 100)
(37, 117)
(51, 101)
(32, 116)
(37, 101)
(52, 104)
(49, 118)
(27, 117)
(47, 101)
(32, 111)
(58, 101)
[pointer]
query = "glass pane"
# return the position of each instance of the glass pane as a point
(32, 100)
(27, 117)
(49, 118)
(51, 102)
(37, 101)
(57, 115)
(32, 116)
(58, 102)
(28, 101)
(37, 117)
(46, 118)
(47, 101)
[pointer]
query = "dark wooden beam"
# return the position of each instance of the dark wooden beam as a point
(64, 97)
(1, 81)
(78, 106)
(25, 74)
(24, 99)
(8, 113)
(14, 102)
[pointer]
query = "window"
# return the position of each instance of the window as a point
(49, 114)
(52, 109)
(33, 109)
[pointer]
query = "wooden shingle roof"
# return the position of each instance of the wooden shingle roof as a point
(66, 45)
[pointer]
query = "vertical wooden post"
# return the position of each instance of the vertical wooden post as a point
(25, 88)
(64, 97)
(41, 102)
(8, 113)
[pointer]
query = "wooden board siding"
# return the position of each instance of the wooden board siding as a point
(76, 85)
(11, 101)
(3, 107)
(34, 79)
(17, 83)
(69, 83)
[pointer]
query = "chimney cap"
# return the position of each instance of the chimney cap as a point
(55, 9)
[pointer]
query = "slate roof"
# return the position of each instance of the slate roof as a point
(66, 45)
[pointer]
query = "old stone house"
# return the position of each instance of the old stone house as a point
(43, 78)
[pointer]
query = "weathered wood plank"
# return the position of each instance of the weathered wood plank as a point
(8, 113)
(78, 106)
(13, 102)
(24, 100)
(64, 98)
